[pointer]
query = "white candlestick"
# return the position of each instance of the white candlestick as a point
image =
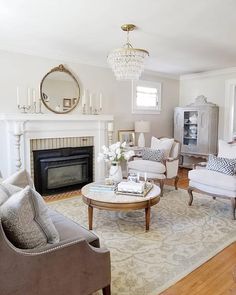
(39, 93)
(34, 96)
(84, 98)
(145, 176)
(17, 96)
(17, 128)
(110, 126)
(29, 97)
(90, 100)
(100, 101)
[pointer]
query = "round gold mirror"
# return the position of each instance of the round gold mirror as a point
(59, 90)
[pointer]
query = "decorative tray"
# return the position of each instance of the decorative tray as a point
(147, 189)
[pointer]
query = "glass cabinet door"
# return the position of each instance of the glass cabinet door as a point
(190, 136)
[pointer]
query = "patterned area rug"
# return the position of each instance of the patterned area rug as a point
(180, 239)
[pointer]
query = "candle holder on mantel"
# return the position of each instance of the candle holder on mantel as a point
(91, 111)
(24, 108)
(84, 109)
(34, 107)
(40, 107)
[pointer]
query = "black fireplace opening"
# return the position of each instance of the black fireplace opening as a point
(61, 170)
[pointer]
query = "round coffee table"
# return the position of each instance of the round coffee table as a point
(108, 200)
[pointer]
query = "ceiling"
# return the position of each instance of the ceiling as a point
(182, 36)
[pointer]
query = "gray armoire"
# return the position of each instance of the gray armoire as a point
(196, 127)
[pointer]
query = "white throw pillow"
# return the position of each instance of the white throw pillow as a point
(162, 144)
(6, 190)
(20, 178)
(227, 150)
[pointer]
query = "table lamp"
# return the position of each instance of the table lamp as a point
(142, 127)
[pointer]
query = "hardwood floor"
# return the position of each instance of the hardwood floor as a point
(215, 277)
(183, 179)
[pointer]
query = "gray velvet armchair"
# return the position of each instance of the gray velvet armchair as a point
(73, 266)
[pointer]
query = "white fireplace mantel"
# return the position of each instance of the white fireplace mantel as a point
(18, 129)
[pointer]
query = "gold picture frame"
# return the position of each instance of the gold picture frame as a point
(67, 103)
(127, 136)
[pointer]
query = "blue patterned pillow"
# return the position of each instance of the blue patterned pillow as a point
(153, 155)
(222, 165)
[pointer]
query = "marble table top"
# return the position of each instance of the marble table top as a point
(112, 197)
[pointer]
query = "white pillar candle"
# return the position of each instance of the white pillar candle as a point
(17, 128)
(29, 96)
(84, 98)
(145, 176)
(100, 101)
(90, 100)
(34, 95)
(110, 126)
(17, 96)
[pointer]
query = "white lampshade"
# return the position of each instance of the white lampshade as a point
(142, 126)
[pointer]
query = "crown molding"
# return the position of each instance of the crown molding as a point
(208, 74)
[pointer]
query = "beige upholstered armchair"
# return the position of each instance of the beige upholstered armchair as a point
(159, 171)
(215, 183)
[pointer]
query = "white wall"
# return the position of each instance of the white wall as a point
(27, 71)
(212, 85)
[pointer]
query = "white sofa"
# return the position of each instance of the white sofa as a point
(214, 183)
(168, 169)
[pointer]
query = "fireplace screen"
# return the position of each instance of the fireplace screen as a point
(67, 175)
(65, 169)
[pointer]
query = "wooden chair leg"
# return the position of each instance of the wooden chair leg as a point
(190, 193)
(106, 290)
(162, 182)
(176, 182)
(233, 202)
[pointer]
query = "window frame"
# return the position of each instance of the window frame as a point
(146, 110)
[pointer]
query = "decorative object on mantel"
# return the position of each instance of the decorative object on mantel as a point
(114, 154)
(196, 127)
(127, 62)
(25, 107)
(93, 110)
(31, 103)
(58, 86)
(142, 127)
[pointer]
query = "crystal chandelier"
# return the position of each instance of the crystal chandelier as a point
(127, 62)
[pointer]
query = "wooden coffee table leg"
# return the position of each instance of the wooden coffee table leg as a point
(147, 217)
(90, 217)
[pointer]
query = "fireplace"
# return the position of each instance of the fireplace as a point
(63, 169)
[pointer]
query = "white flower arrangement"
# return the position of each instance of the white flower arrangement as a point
(115, 153)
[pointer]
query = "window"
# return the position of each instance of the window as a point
(146, 97)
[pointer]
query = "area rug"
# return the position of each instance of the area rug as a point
(180, 239)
